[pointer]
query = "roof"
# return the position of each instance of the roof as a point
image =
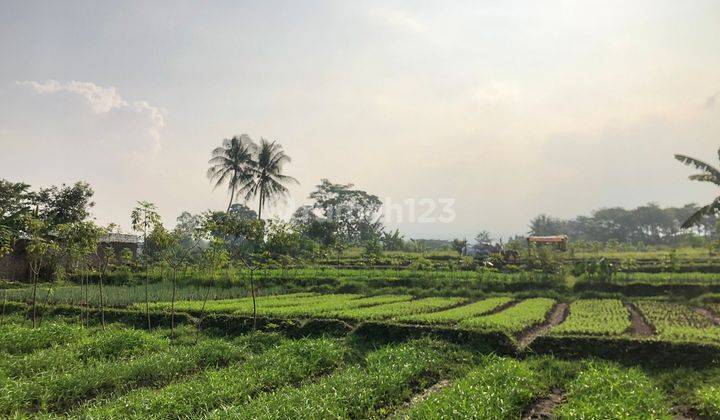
(119, 238)
(548, 239)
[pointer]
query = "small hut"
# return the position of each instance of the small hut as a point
(557, 241)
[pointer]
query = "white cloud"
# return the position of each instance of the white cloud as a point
(396, 18)
(103, 100)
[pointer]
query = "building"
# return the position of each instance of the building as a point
(557, 241)
(15, 265)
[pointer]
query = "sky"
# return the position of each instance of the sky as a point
(477, 114)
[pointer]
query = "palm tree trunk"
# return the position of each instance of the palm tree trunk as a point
(260, 205)
(232, 195)
(34, 296)
(252, 291)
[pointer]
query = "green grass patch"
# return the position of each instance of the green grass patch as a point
(595, 317)
(515, 319)
(454, 315)
(605, 390)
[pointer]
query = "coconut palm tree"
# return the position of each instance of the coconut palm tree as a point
(230, 162)
(266, 180)
(709, 174)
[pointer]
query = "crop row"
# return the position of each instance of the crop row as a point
(678, 322)
(515, 319)
(454, 315)
(595, 317)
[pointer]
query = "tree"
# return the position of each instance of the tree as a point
(708, 174)
(266, 180)
(373, 250)
(145, 217)
(460, 246)
(392, 241)
(39, 250)
(354, 211)
(65, 204)
(15, 207)
(77, 241)
(483, 237)
(230, 163)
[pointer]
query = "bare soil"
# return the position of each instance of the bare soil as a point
(639, 327)
(557, 315)
(502, 307)
(709, 315)
(683, 412)
(418, 398)
(544, 408)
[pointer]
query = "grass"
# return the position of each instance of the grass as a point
(289, 362)
(50, 391)
(595, 317)
(398, 309)
(389, 376)
(112, 344)
(515, 319)
(454, 315)
(605, 390)
(677, 322)
(499, 389)
(18, 339)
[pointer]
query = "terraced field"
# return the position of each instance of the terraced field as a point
(524, 315)
(595, 317)
(677, 322)
(120, 372)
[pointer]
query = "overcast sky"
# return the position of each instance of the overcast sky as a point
(510, 108)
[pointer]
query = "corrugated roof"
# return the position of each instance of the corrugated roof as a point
(555, 238)
(120, 238)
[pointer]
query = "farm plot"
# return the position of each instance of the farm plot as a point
(595, 317)
(242, 304)
(524, 315)
(500, 389)
(325, 307)
(398, 309)
(676, 322)
(290, 305)
(604, 390)
(389, 376)
(288, 363)
(454, 315)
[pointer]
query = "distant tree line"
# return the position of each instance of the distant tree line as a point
(649, 224)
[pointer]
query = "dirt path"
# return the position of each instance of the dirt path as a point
(638, 325)
(417, 399)
(502, 307)
(709, 315)
(544, 408)
(557, 315)
(683, 412)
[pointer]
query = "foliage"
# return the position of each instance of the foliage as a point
(604, 390)
(65, 204)
(515, 319)
(230, 164)
(677, 322)
(451, 316)
(263, 177)
(398, 309)
(387, 378)
(355, 212)
(288, 363)
(500, 389)
(649, 224)
(144, 217)
(595, 316)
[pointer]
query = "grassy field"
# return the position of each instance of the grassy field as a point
(121, 372)
(367, 343)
